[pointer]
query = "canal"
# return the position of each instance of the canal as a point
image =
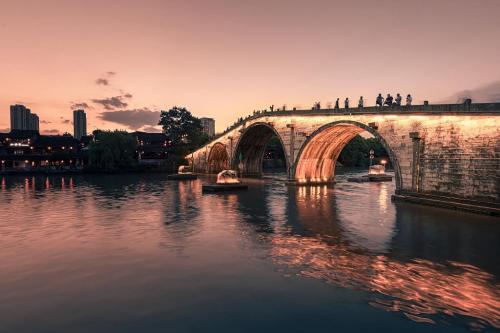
(138, 253)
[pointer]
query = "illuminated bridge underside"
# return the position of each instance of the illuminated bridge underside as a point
(444, 151)
(218, 159)
(317, 161)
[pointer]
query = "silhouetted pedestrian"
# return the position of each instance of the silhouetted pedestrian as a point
(346, 103)
(361, 102)
(337, 103)
(388, 100)
(409, 99)
(380, 100)
(398, 99)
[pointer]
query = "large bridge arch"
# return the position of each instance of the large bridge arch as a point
(251, 146)
(218, 158)
(319, 153)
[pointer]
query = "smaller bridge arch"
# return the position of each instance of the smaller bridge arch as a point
(218, 158)
(319, 153)
(251, 146)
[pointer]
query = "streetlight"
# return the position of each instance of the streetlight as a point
(383, 162)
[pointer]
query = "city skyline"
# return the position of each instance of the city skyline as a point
(135, 59)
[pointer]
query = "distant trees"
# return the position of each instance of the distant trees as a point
(357, 152)
(112, 151)
(184, 133)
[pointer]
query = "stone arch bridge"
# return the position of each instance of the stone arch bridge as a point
(438, 151)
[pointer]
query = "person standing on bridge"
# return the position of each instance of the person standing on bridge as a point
(346, 103)
(398, 99)
(409, 99)
(388, 100)
(361, 102)
(337, 104)
(380, 100)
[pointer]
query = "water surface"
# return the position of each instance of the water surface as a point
(130, 253)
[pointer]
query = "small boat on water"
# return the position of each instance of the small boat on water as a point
(183, 173)
(376, 173)
(227, 180)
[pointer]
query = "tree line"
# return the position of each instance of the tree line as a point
(116, 150)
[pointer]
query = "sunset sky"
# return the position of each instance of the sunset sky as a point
(126, 60)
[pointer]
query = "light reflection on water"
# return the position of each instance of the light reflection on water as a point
(87, 248)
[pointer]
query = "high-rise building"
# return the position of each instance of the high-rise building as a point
(79, 124)
(34, 123)
(208, 125)
(20, 117)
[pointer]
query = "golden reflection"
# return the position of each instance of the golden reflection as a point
(383, 198)
(419, 289)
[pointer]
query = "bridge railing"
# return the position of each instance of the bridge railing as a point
(394, 109)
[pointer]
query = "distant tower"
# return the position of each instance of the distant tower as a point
(34, 123)
(79, 124)
(208, 125)
(20, 117)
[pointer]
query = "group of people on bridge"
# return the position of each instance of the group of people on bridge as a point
(380, 101)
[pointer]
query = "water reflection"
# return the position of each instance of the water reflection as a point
(428, 265)
(419, 289)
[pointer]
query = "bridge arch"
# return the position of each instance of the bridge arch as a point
(218, 158)
(318, 155)
(251, 146)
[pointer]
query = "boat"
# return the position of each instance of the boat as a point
(227, 180)
(182, 174)
(376, 173)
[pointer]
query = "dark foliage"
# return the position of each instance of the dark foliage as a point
(357, 152)
(112, 151)
(184, 134)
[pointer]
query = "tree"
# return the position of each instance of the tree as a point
(357, 152)
(184, 133)
(111, 151)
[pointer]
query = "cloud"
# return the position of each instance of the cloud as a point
(82, 105)
(65, 121)
(50, 131)
(102, 81)
(487, 93)
(133, 119)
(115, 102)
(45, 122)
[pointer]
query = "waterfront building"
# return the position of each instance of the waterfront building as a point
(151, 147)
(79, 124)
(208, 125)
(29, 151)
